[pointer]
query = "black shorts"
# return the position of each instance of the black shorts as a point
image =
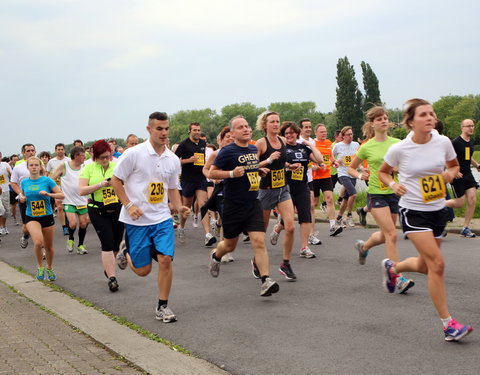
(334, 179)
(45, 221)
(107, 226)
(301, 200)
(189, 188)
(13, 197)
(460, 185)
(383, 200)
(323, 184)
(241, 217)
(423, 221)
(210, 184)
(23, 212)
(349, 185)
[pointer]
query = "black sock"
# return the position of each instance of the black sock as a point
(339, 217)
(263, 278)
(162, 302)
(214, 256)
(324, 204)
(81, 235)
(349, 214)
(71, 232)
(286, 261)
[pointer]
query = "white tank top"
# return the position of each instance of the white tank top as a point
(71, 187)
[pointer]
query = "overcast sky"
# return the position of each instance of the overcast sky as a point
(93, 69)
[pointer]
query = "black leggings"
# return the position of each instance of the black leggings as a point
(108, 228)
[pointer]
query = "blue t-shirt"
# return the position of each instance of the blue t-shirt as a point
(240, 189)
(38, 205)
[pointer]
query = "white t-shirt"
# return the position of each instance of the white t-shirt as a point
(20, 172)
(71, 187)
(309, 170)
(147, 177)
(4, 176)
(344, 154)
(54, 163)
(419, 166)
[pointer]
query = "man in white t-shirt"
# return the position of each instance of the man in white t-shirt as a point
(5, 173)
(145, 180)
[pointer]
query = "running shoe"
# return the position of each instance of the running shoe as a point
(335, 229)
(209, 240)
(121, 258)
(218, 228)
(23, 242)
(362, 254)
(274, 236)
(181, 235)
(362, 216)
(467, 233)
(227, 258)
(213, 266)
(65, 231)
(307, 253)
(165, 314)
(51, 275)
(195, 221)
(2, 232)
(389, 277)
(269, 287)
(246, 238)
(40, 273)
(82, 250)
(70, 245)
(113, 284)
(255, 270)
(15, 222)
(213, 224)
(286, 270)
(6, 230)
(456, 331)
(323, 208)
(349, 221)
(313, 240)
(404, 284)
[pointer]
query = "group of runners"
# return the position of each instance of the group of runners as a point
(133, 199)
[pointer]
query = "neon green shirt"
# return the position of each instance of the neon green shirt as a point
(95, 174)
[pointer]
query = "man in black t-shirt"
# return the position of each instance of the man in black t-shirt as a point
(194, 184)
(464, 184)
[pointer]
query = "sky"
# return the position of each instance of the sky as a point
(96, 69)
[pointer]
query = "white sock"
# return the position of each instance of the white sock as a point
(332, 223)
(446, 321)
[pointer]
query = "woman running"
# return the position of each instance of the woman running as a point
(422, 189)
(381, 200)
(37, 191)
(104, 207)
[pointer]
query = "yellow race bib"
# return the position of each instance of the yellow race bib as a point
(109, 196)
(385, 187)
(2, 179)
(38, 208)
(467, 153)
(278, 178)
(200, 159)
(347, 160)
(254, 180)
(432, 188)
(156, 192)
(81, 207)
(326, 160)
(298, 174)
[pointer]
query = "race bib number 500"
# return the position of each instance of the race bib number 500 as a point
(432, 188)
(278, 178)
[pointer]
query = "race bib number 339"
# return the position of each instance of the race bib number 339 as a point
(156, 192)
(254, 180)
(432, 188)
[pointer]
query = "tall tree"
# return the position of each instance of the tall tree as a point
(349, 98)
(370, 85)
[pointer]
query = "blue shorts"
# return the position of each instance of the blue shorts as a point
(143, 242)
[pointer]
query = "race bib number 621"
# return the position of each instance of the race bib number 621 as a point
(432, 188)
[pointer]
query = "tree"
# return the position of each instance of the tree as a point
(208, 119)
(370, 85)
(349, 98)
(247, 110)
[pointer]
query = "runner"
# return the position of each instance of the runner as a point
(422, 189)
(5, 174)
(60, 158)
(132, 140)
(191, 152)
(237, 164)
(382, 201)
(343, 153)
(36, 193)
(104, 207)
(75, 205)
(464, 185)
(145, 179)
(274, 191)
(13, 195)
(19, 173)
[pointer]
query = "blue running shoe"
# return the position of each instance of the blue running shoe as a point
(389, 277)
(456, 331)
(41, 273)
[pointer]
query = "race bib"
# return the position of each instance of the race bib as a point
(38, 208)
(156, 192)
(385, 187)
(278, 178)
(467, 153)
(347, 160)
(200, 159)
(2, 179)
(109, 196)
(254, 180)
(81, 207)
(298, 174)
(432, 188)
(326, 160)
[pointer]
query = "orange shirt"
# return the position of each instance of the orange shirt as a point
(325, 148)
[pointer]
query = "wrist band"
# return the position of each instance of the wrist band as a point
(130, 204)
(100, 185)
(269, 161)
(231, 174)
(391, 183)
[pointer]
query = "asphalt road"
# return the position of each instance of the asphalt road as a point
(335, 319)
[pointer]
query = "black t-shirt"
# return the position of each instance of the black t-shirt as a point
(192, 172)
(298, 154)
(464, 152)
(240, 189)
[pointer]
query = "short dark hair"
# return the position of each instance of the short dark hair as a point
(160, 116)
(27, 145)
(77, 150)
(305, 119)
(44, 153)
(289, 124)
(59, 145)
(192, 124)
(78, 141)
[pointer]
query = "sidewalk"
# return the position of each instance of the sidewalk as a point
(75, 339)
